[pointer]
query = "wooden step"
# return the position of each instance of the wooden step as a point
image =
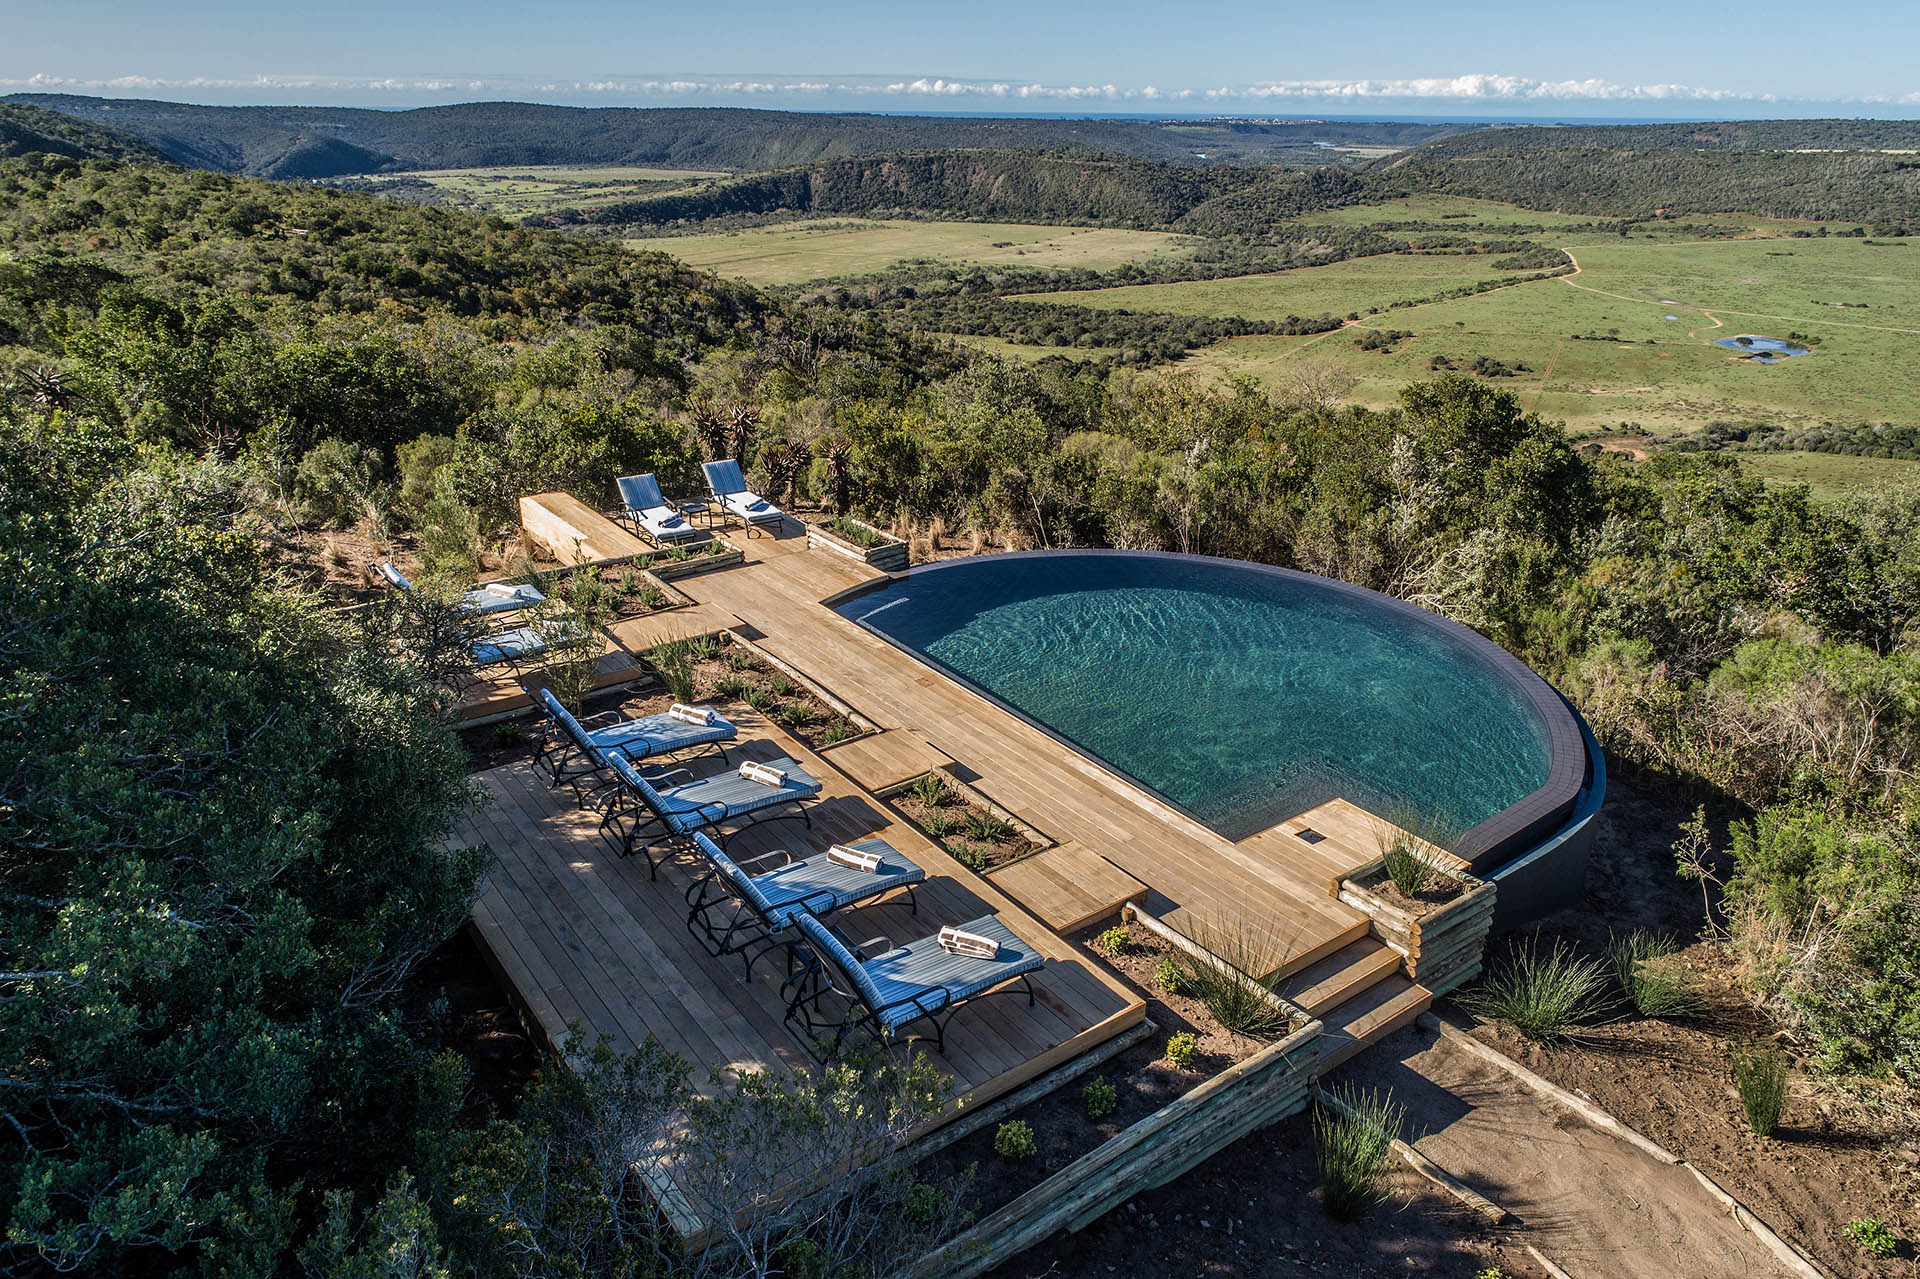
(1368, 1018)
(1069, 886)
(1341, 975)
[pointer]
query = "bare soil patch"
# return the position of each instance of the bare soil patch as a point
(1839, 1154)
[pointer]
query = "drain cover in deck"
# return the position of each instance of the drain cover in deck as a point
(1308, 835)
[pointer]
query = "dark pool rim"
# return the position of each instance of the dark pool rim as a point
(1509, 833)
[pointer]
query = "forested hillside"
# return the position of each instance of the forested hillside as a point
(1009, 186)
(25, 129)
(322, 142)
(1863, 186)
(225, 799)
(1725, 135)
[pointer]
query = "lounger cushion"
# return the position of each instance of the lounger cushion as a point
(713, 799)
(724, 477)
(484, 601)
(817, 886)
(641, 492)
(635, 738)
(509, 646)
(890, 983)
(755, 510)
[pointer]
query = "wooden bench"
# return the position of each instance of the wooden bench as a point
(574, 533)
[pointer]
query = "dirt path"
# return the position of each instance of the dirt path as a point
(1589, 1200)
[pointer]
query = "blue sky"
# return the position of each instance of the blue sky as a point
(1232, 56)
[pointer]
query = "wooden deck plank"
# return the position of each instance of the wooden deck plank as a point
(1069, 886)
(586, 937)
(574, 533)
(696, 621)
(881, 761)
(1196, 875)
(499, 693)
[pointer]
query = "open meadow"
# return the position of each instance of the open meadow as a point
(519, 191)
(1338, 288)
(1628, 339)
(821, 249)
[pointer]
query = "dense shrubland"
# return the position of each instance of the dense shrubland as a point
(223, 803)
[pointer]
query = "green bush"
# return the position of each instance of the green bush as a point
(417, 462)
(1760, 1077)
(1353, 1136)
(1873, 1236)
(1115, 941)
(1182, 1048)
(1100, 1097)
(1167, 976)
(987, 828)
(837, 731)
(795, 715)
(1014, 1140)
(932, 791)
(1409, 874)
(338, 484)
(675, 667)
(939, 824)
(759, 699)
(1541, 994)
(1224, 978)
(969, 856)
(1647, 966)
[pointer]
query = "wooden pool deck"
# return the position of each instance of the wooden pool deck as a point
(1193, 879)
(585, 938)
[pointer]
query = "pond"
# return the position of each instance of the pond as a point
(1763, 350)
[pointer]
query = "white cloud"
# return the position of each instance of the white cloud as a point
(1471, 89)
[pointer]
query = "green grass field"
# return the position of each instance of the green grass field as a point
(1663, 374)
(797, 252)
(1462, 213)
(1830, 475)
(1336, 289)
(522, 191)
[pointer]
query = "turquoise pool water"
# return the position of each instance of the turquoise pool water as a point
(1243, 695)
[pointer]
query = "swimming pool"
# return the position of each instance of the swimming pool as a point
(1245, 694)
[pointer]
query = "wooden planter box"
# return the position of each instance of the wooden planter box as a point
(1264, 1089)
(889, 556)
(1442, 947)
(667, 570)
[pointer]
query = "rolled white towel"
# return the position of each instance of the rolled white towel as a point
(505, 590)
(765, 774)
(958, 941)
(700, 715)
(841, 855)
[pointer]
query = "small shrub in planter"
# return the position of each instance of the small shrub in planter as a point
(1115, 941)
(987, 828)
(782, 686)
(1014, 1140)
(703, 648)
(508, 733)
(969, 856)
(1101, 1098)
(1409, 874)
(742, 660)
(1760, 1076)
(795, 715)
(675, 665)
(938, 824)
(1182, 1048)
(1874, 1236)
(759, 698)
(932, 790)
(730, 686)
(838, 731)
(650, 597)
(1352, 1142)
(1166, 975)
